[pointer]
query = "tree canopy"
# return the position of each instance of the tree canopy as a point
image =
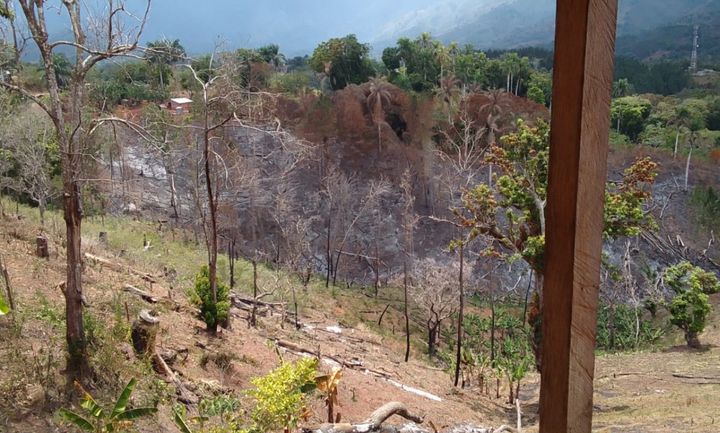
(344, 60)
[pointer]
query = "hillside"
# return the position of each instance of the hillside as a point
(634, 391)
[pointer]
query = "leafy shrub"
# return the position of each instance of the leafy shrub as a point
(616, 329)
(210, 312)
(280, 395)
(690, 305)
(292, 82)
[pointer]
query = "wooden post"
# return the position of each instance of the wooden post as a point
(583, 73)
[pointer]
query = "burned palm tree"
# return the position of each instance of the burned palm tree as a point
(377, 98)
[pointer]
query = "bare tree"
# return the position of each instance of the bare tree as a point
(433, 289)
(29, 141)
(409, 222)
(120, 37)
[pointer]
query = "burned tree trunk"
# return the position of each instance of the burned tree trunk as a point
(144, 333)
(41, 247)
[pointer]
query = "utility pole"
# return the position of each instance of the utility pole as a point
(696, 45)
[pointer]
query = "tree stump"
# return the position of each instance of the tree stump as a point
(144, 331)
(41, 247)
(103, 238)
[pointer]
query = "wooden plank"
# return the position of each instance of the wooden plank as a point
(583, 72)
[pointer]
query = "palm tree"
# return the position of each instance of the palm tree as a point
(495, 110)
(163, 53)
(271, 54)
(448, 92)
(379, 94)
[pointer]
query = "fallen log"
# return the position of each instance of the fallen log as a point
(147, 297)
(376, 424)
(121, 268)
(258, 302)
(373, 424)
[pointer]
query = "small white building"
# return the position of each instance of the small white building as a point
(179, 105)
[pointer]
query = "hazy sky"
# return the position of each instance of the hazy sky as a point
(295, 24)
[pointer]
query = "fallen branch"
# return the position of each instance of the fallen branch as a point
(147, 297)
(121, 268)
(258, 301)
(373, 423)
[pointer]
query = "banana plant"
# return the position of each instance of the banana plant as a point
(100, 420)
(328, 385)
(4, 307)
(179, 418)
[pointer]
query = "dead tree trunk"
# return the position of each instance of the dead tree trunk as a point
(407, 316)
(458, 357)
(144, 333)
(253, 314)
(41, 247)
(6, 278)
(103, 239)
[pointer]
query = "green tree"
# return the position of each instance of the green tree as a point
(271, 54)
(510, 213)
(536, 94)
(690, 305)
(63, 69)
(213, 309)
(344, 60)
(423, 58)
(163, 53)
(629, 114)
(713, 116)
(541, 80)
(621, 88)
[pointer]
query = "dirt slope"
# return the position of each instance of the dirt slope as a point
(663, 391)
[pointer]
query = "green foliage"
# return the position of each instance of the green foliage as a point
(518, 196)
(685, 277)
(291, 83)
(621, 88)
(656, 135)
(624, 214)
(706, 202)
(542, 81)
(134, 81)
(536, 94)
(4, 307)
(691, 305)
(421, 59)
(510, 213)
(712, 119)
(160, 55)
(63, 69)
(280, 395)
(629, 114)
(616, 329)
(664, 77)
(344, 60)
(271, 54)
(210, 312)
(101, 420)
